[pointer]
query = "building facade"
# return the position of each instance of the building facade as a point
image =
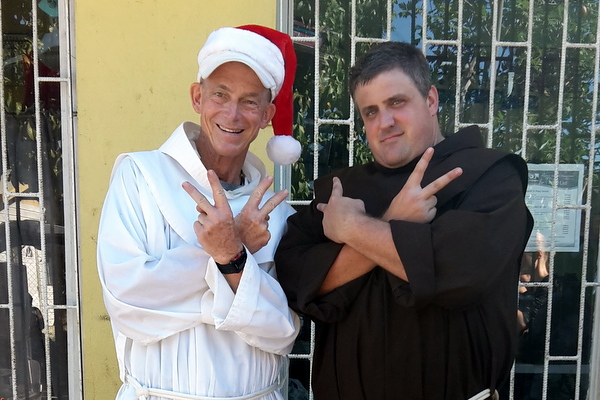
(84, 81)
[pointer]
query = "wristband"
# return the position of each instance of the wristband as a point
(236, 264)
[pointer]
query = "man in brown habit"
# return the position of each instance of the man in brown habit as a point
(408, 267)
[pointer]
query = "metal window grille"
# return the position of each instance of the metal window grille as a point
(40, 352)
(527, 73)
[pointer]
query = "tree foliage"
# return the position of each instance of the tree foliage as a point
(509, 75)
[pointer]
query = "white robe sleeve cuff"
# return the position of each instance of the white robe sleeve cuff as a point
(258, 312)
(233, 311)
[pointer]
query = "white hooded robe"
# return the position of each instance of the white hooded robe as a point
(177, 324)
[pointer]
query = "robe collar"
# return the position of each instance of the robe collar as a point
(181, 146)
(469, 137)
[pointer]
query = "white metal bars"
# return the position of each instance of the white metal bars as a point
(318, 120)
(557, 126)
(69, 145)
(44, 299)
(496, 8)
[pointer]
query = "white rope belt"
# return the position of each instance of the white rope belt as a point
(144, 392)
(484, 394)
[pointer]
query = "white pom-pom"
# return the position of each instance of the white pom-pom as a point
(283, 149)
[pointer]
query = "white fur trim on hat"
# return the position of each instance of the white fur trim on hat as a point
(283, 149)
(232, 44)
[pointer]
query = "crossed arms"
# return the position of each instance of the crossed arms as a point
(221, 234)
(367, 240)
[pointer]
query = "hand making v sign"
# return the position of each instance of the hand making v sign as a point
(417, 204)
(222, 235)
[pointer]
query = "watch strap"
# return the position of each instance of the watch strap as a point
(236, 264)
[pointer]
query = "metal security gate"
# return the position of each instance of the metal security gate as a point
(527, 73)
(39, 307)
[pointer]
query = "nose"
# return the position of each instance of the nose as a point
(386, 119)
(232, 108)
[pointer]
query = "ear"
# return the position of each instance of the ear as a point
(433, 100)
(196, 94)
(268, 115)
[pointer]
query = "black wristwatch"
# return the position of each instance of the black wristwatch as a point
(236, 264)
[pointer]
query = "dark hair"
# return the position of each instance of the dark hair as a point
(386, 56)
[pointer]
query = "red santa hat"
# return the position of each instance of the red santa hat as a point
(271, 56)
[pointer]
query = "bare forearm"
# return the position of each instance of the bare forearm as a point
(368, 244)
(373, 239)
(233, 280)
(348, 266)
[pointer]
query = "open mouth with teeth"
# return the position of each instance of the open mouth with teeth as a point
(230, 130)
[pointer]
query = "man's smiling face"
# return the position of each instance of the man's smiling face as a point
(234, 106)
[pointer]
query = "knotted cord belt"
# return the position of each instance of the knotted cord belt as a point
(144, 392)
(485, 394)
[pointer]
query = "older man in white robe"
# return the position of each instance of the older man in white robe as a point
(188, 278)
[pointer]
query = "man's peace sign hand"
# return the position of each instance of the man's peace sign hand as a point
(252, 223)
(417, 204)
(215, 227)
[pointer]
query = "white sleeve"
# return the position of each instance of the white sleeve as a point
(150, 291)
(258, 312)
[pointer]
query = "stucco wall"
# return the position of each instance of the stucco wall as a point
(135, 60)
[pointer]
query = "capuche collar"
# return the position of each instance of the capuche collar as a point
(469, 137)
